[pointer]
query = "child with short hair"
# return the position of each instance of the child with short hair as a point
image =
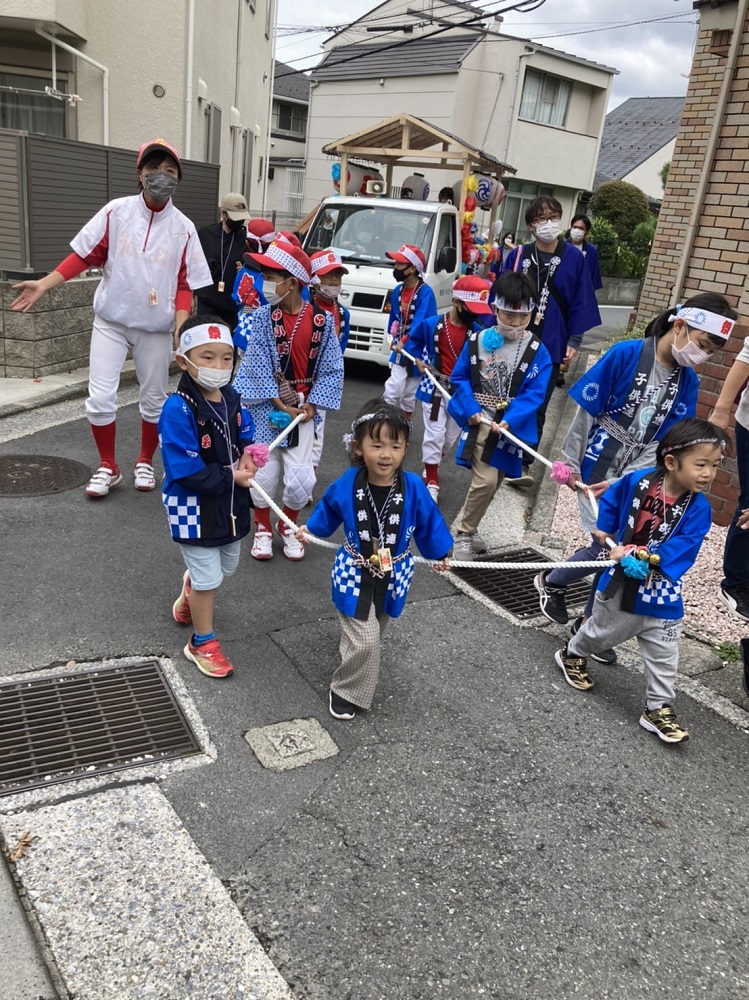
(501, 376)
(204, 431)
(412, 301)
(295, 367)
(440, 339)
(660, 517)
(327, 282)
(381, 508)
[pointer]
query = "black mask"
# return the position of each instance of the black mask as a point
(399, 274)
(465, 316)
(235, 225)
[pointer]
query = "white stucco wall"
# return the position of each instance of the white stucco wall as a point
(647, 175)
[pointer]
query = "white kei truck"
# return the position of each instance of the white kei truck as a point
(360, 230)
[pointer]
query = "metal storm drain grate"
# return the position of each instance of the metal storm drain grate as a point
(512, 589)
(40, 475)
(78, 725)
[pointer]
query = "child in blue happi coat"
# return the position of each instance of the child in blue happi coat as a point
(659, 518)
(499, 380)
(382, 508)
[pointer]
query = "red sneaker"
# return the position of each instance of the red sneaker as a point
(181, 607)
(209, 658)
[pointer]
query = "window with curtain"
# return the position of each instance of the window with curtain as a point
(545, 98)
(25, 106)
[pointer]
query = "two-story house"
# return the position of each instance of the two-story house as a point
(288, 139)
(524, 103)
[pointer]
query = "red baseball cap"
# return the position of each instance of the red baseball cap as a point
(473, 292)
(159, 146)
(282, 256)
(325, 261)
(409, 254)
(289, 238)
(262, 230)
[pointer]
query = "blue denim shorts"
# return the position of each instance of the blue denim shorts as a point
(209, 566)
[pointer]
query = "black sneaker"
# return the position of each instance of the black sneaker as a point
(607, 656)
(745, 660)
(737, 599)
(551, 600)
(340, 708)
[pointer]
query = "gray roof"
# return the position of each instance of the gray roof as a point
(416, 57)
(633, 132)
(290, 83)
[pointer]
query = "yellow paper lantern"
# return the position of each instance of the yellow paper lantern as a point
(472, 184)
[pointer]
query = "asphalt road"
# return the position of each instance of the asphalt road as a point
(485, 831)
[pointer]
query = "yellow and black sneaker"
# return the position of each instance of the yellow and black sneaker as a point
(663, 722)
(575, 670)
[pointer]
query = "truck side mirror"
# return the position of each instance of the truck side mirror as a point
(447, 259)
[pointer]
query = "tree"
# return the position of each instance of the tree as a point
(621, 204)
(664, 173)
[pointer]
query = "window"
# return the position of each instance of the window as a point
(213, 134)
(290, 119)
(519, 196)
(24, 105)
(545, 98)
(294, 191)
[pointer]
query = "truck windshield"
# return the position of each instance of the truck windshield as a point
(364, 233)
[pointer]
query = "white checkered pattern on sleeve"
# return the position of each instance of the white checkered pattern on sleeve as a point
(346, 576)
(183, 514)
(400, 578)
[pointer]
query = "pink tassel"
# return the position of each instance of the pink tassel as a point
(561, 473)
(259, 454)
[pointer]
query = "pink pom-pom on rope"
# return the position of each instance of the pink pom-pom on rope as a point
(561, 473)
(259, 453)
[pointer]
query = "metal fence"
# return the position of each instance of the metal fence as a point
(51, 187)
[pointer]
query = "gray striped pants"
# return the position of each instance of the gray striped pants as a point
(356, 677)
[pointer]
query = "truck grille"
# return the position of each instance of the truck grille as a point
(364, 338)
(368, 300)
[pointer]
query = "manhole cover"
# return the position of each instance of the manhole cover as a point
(512, 589)
(77, 725)
(288, 745)
(39, 475)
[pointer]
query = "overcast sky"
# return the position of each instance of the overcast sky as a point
(653, 58)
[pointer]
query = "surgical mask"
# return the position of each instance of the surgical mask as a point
(689, 356)
(399, 274)
(269, 291)
(547, 231)
(160, 186)
(577, 235)
(329, 292)
(511, 332)
(235, 225)
(210, 378)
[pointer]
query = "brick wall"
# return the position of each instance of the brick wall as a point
(719, 260)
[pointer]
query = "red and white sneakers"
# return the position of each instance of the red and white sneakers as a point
(102, 481)
(145, 480)
(292, 547)
(262, 545)
(209, 658)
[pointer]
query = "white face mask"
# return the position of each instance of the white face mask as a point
(269, 291)
(577, 235)
(329, 292)
(210, 378)
(510, 332)
(689, 356)
(547, 231)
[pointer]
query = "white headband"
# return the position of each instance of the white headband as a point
(501, 304)
(701, 319)
(207, 333)
(463, 296)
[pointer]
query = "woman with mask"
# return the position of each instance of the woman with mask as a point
(152, 261)
(501, 376)
(577, 234)
(223, 245)
(626, 403)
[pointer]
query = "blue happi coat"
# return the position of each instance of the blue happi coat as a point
(520, 413)
(579, 309)
(421, 521)
(426, 306)
(255, 382)
(605, 387)
(420, 343)
(662, 599)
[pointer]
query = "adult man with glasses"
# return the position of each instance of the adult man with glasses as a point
(566, 302)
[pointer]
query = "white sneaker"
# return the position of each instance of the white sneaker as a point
(292, 547)
(462, 550)
(145, 480)
(434, 491)
(262, 545)
(102, 481)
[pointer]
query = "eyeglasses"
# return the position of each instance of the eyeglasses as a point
(547, 218)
